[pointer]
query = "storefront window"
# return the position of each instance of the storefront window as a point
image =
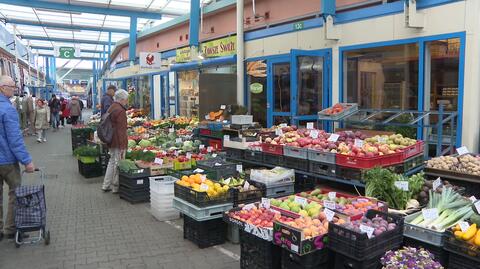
(171, 100)
(382, 78)
(310, 85)
(281, 87)
(189, 93)
(143, 93)
(257, 91)
(218, 86)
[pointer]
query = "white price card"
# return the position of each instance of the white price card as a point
(358, 143)
(171, 130)
(367, 229)
(333, 138)
(329, 204)
(278, 132)
(226, 138)
(283, 125)
(207, 117)
(265, 203)
(139, 181)
(382, 139)
(462, 150)
(209, 149)
(227, 181)
(436, 183)
(201, 147)
(477, 206)
(301, 200)
(175, 152)
(430, 213)
(314, 134)
(145, 150)
(248, 207)
(329, 214)
(294, 248)
(463, 226)
(204, 187)
(309, 125)
(218, 164)
(158, 161)
(239, 168)
(188, 155)
(198, 170)
(222, 107)
(332, 195)
(178, 140)
(214, 155)
(473, 199)
(246, 186)
(401, 185)
(203, 178)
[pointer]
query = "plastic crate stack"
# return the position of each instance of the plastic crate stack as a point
(135, 186)
(90, 170)
(161, 196)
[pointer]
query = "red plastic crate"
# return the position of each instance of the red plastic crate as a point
(370, 162)
(413, 150)
(215, 144)
(272, 149)
(204, 131)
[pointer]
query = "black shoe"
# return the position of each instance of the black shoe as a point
(106, 190)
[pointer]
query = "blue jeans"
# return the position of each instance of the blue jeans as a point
(55, 119)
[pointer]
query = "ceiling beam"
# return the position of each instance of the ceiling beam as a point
(51, 48)
(65, 40)
(94, 9)
(77, 58)
(66, 26)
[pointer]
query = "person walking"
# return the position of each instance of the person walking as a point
(54, 105)
(30, 114)
(12, 152)
(24, 113)
(75, 110)
(42, 117)
(80, 102)
(107, 99)
(64, 111)
(119, 143)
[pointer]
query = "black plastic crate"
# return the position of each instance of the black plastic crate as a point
(204, 233)
(256, 253)
(136, 173)
(441, 255)
(345, 262)
(246, 197)
(134, 182)
(462, 255)
(200, 199)
(273, 159)
(326, 169)
(296, 163)
(218, 169)
(254, 156)
(315, 260)
(234, 153)
(408, 164)
(461, 261)
(133, 197)
(303, 183)
(358, 246)
(90, 170)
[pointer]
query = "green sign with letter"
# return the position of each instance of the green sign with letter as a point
(298, 26)
(66, 52)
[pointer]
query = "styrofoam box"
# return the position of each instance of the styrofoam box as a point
(242, 119)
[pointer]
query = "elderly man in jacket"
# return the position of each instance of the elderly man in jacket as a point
(107, 99)
(119, 143)
(12, 152)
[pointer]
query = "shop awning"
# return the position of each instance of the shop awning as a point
(205, 63)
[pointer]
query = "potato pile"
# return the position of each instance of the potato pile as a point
(467, 164)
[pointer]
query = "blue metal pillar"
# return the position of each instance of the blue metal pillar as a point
(194, 22)
(94, 87)
(47, 69)
(132, 45)
(328, 7)
(109, 45)
(53, 74)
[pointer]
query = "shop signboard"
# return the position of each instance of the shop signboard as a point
(220, 47)
(66, 52)
(183, 55)
(298, 25)
(256, 88)
(150, 60)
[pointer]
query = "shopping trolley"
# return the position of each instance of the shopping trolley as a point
(31, 212)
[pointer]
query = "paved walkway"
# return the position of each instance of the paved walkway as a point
(91, 229)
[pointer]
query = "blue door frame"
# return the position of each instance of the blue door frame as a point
(270, 93)
(326, 54)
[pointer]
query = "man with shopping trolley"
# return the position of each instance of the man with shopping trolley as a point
(12, 152)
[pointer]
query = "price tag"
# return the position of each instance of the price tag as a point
(171, 130)
(332, 195)
(188, 155)
(218, 164)
(265, 203)
(145, 150)
(139, 181)
(207, 117)
(301, 200)
(477, 206)
(198, 171)
(314, 134)
(278, 132)
(294, 248)
(246, 186)
(209, 149)
(225, 121)
(226, 138)
(201, 147)
(333, 138)
(464, 226)
(329, 204)
(203, 178)
(283, 125)
(240, 136)
(178, 140)
(401, 185)
(462, 150)
(382, 139)
(363, 200)
(175, 152)
(329, 214)
(227, 181)
(214, 155)
(358, 143)
(249, 207)
(239, 168)
(368, 230)
(158, 161)
(222, 107)
(310, 125)
(437, 183)
(204, 187)
(430, 214)
(473, 199)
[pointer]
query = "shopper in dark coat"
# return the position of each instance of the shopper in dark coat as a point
(107, 99)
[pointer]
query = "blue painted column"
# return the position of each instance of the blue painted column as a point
(94, 87)
(109, 46)
(132, 45)
(328, 7)
(47, 70)
(194, 22)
